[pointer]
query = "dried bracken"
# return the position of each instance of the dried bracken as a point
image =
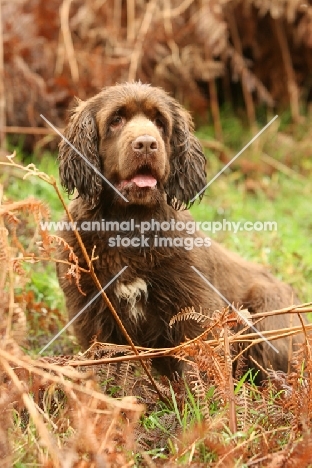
(195, 49)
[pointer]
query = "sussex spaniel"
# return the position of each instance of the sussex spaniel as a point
(141, 140)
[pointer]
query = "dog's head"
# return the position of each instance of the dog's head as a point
(135, 139)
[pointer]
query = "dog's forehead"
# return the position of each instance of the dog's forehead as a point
(135, 98)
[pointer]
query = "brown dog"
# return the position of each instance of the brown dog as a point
(141, 140)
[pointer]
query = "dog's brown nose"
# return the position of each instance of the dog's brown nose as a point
(144, 144)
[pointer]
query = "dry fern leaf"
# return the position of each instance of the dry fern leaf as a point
(253, 84)
(189, 313)
(13, 319)
(200, 67)
(73, 271)
(288, 9)
(200, 389)
(4, 251)
(30, 206)
(210, 18)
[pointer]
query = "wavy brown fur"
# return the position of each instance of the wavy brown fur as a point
(158, 282)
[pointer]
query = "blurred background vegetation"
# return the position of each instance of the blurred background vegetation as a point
(253, 56)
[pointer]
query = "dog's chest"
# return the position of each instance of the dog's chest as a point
(132, 297)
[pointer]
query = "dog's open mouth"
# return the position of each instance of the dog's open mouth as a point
(142, 179)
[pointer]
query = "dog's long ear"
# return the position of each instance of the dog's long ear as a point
(187, 165)
(78, 156)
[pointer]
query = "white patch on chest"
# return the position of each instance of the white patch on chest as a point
(135, 294)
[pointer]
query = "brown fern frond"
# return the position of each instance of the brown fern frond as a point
(210, 18)
(4, 254)
(16, 215)
(32, 206)
(253, 84)
(206, 358)
(196, 382)
(157, 436)
(11, 219)
(46, 243)
(73, 271)
(189, 313)
(17, 267)
(288, 9)
(300, 381)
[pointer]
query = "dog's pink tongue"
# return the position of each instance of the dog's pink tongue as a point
(144, 180)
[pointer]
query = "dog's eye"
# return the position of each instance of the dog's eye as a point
(159, 124)
(116, 121)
